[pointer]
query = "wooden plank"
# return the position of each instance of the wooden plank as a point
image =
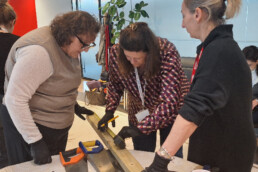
(102, 161)
(123, 156)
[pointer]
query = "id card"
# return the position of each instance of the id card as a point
(142, 114)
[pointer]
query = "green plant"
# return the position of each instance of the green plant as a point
(117, 15)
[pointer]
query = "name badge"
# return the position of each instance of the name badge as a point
(142, 114)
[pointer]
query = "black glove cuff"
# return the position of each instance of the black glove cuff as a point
(109, 113)
(159, 162)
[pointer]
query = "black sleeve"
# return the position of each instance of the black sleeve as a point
(255, 91)
(210, 88)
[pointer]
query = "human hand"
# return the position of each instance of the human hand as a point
(159, 164)
(104, 120)
(254, 103)
(40, 153)
(79, 110)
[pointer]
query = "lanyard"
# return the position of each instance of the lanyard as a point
(142, 94)
(196, 63)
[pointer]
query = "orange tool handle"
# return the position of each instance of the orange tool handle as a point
(71, 156)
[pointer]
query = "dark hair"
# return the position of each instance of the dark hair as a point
(76, 22)
(251, 53)
(216, 9)
(139, 37)
(7, 14)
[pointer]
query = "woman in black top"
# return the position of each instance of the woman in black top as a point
(216, 114)
(7, 21)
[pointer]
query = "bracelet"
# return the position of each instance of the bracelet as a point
(164, 153)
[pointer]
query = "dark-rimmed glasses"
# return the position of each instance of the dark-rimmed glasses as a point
(84, 46)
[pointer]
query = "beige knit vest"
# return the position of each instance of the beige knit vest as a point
(52, 105)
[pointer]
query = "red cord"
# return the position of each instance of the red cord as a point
(107, 45)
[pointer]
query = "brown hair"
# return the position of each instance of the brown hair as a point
(139, 37)
(216, 9)
(251, 53)
(7, 14)
(76, 22)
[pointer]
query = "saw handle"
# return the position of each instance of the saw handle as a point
(71, 156)
(91, 147)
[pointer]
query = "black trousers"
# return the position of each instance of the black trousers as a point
(148, 142)
(3, 152)
(18, 150)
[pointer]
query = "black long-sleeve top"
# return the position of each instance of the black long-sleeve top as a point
(6, 42)
(220, 104)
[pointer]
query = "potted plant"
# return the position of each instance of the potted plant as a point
(114, 8)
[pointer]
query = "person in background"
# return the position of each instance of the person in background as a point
(251, 55)
(7, 22)
(216, 114)
(149, 68)
(42, 78)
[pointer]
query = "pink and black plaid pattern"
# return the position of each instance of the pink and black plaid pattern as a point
(164, 92)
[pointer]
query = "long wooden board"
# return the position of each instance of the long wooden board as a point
(123, 156)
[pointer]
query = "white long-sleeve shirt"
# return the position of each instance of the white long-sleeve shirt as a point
(33, 67)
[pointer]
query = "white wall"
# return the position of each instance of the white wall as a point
(166, 20)
(47, 10)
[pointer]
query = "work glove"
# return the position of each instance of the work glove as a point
(124, 133)
(159, 164)
(78, 110)
(104, 120)
(40, 153)
(131, 131)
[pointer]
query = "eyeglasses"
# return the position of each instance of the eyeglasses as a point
(84, 46)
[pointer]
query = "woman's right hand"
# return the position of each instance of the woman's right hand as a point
(104, 120)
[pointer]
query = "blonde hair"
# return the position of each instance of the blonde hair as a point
(217, 10)
(7, 13)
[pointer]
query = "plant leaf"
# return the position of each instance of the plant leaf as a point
(112, 1)
(121, 5)
(137, 16)
(116, 18)
(137, 7)
(144, 13)
(112, 10)
(113, 31)
(118, 2)
(117, 34)
(142, 4)
(131, 14)
(122, 14)
(113, 40)
(123, 21)
(145, 4)
(105, 8)
(120, 24)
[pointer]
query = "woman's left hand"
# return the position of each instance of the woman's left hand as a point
(254, 103)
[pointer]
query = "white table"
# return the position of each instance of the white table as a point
(144, 158)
